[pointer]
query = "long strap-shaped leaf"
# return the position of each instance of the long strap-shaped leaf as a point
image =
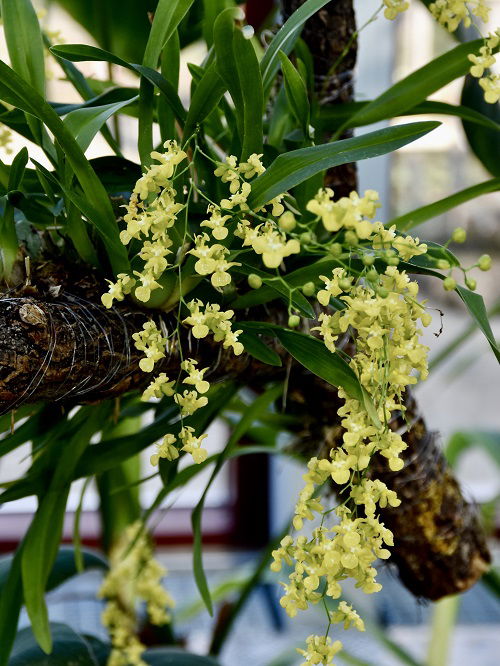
(416, 87)
(259, 405)
(168, 15)
(329, 118)
(25, 46)
(284, 40)
(295, 167)
(84, 53)
(15, 90)
(207, 95)
(41, 543)
(415, 217)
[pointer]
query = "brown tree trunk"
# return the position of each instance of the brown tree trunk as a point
(439, 548)
(331, 38)
(58, 343)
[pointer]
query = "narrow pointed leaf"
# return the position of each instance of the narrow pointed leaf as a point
(85, 53)
(252, 94)
(206, 97)
(285, 38)
(101, 212)
(85, 123)
(329, 118)
(11, 600)
(167, 16)
(484, 141)
(418, 216)
(417, 86)
(295, 167)
(296, 93)
(24, 41)
(475, 304)
(260, 404)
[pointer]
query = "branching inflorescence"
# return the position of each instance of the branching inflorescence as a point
(367, 295)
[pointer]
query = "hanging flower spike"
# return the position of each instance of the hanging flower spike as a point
(165, 449)
(134, 576)
(189, 402)
(195, 377)
(152, 343)
(268, 241)
(320, 650)
(159, 387)
(192, 444)
(216, 222)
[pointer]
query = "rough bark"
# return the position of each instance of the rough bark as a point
(439, 544)
(328, 34)
(440, 548)
(58, 344)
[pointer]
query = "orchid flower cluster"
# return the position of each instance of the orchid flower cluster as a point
(382, 310)
(367, 296)
(453, 13)
(134, 576)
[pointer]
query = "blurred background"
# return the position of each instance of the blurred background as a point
(252, 500)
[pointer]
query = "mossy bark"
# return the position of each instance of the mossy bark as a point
(57, 343)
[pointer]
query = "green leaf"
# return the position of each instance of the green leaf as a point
(329, 118)
(475, 304)
(260, 404)
(416, 87)
(464, 440)
(258, 349)
(40, 548)
(313, 355)
(170, 63)
(296, 93)
(252, 94)
(17, 169)
(9, 245)
(175, 657)
(415, 217)
(24, 42)
(167, 16)
(69, 648)
(285, 38)
(84, 53)
(485, 142)
(41, 543)
(206, 97)
(211, 10)
(99, 206)
(85, 123)
(295, 167)
(64, 566)
(11, 600)
(226, 60)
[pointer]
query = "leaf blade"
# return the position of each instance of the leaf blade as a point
(294, 167)
(419, 215)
